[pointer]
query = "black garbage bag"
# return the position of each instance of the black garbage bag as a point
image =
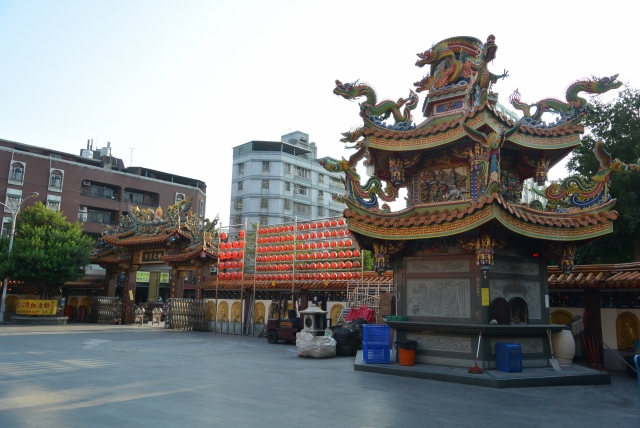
(409, 345)
(348, 340)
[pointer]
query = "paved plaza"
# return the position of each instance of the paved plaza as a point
(128, 376)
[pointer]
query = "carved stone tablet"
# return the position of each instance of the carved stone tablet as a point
(438, 298)
(434, 266)
(441, 343)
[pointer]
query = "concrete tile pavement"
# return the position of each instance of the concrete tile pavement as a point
(121, 376)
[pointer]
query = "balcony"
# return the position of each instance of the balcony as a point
(142, 203)
(94, 195)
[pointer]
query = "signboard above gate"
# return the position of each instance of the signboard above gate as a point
(151, 256)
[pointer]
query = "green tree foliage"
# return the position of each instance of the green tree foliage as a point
(47, 250)
(617, 124)
(368, 260)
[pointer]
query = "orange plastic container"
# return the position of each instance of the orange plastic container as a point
(406, 357)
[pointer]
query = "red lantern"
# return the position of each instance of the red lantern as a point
(300, 226)
(325, 255)
(234, 265)
(241, 244)
(340, 275)
(325, 244)
(234, 244)
(291, 228)
(348, 265)
(306, 226)
(341, 232)
(334, 255)
(348, 253)
(356, 253)
(319, 225)
(333, 244)
(356, 265)
(240, 254)
(334, 265)
(312, 266)
(327, 276)
(341, 222)
(239, 275)
(327, 223)
(340, 265)
(347, 242)
(327, 234)
(313, 235)
(306, 237)
(241, 234)
(334, 234)
(341, 254)
(300, 246)
(280, 229)
(311, 245)
(313, 225)
(348, 275)
(224, 236)
(240, 265)
(234, 275)
(333, 275)
(340, 244)
(334, 223)
(221, 265)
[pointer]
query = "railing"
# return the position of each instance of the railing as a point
(143, 203)
(95, 220)
(91, 195)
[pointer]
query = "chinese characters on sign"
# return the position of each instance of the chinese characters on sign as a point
(151, 256)
(36, 307)
(142, 276)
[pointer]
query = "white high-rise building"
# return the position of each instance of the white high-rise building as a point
(275, 181)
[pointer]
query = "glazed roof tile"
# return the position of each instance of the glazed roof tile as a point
(621, 275)
(567, 128)
(190, 253)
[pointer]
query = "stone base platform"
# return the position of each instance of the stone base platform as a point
(23, 320)
(529, 377)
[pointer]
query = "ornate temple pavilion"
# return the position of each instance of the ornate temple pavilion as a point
(467, 255)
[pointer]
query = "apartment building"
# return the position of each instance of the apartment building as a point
(275, 181)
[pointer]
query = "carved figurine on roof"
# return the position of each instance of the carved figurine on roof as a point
(463, 166)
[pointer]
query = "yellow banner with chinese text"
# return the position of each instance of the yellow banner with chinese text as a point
(36, 307)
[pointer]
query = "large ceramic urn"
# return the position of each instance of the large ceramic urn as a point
(564, 347)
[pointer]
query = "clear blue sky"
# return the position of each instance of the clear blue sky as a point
(182, 82)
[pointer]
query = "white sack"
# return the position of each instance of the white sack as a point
(315, 346)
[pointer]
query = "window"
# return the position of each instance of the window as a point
(334, 213)
(16, 174)
(321, 178)
(56, 178)
(287, 168)
(82, 213)
(288, 219)
(301, 190)
(320, 211)
(303, 209)
(240, 168)
(240, 184)
(265, 166)
(265, 184)
(236, 219)
(320, 197)
(202, 208)
(96, 216)
(6, 226)
(336, 182)
(179, 197)
(101, 192)
(13, 199)
(238, 204)
(287, 204)
(287, 186)
(264, 202)
(240, 150)
(264, 220)
(302, 172)
(53, 202)
(133, 197)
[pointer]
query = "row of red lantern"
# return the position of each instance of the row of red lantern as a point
(327, 265)
(224, 235)
(328, 255)
(231, 245)
(309, 266)
(231, 255)
(230, 275)
(275, 239)
(275, 249)
(230, 265)
(333, 276)
(320, 224)
(323, 235)
(325, 244)
(278, 258)
(276, 229)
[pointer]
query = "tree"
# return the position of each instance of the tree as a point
(368, 260)
(47, 251)
(617, 124)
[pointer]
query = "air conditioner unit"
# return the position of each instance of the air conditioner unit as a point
(82, 209)
(86, 183)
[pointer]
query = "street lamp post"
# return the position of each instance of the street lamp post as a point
(14, 214)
